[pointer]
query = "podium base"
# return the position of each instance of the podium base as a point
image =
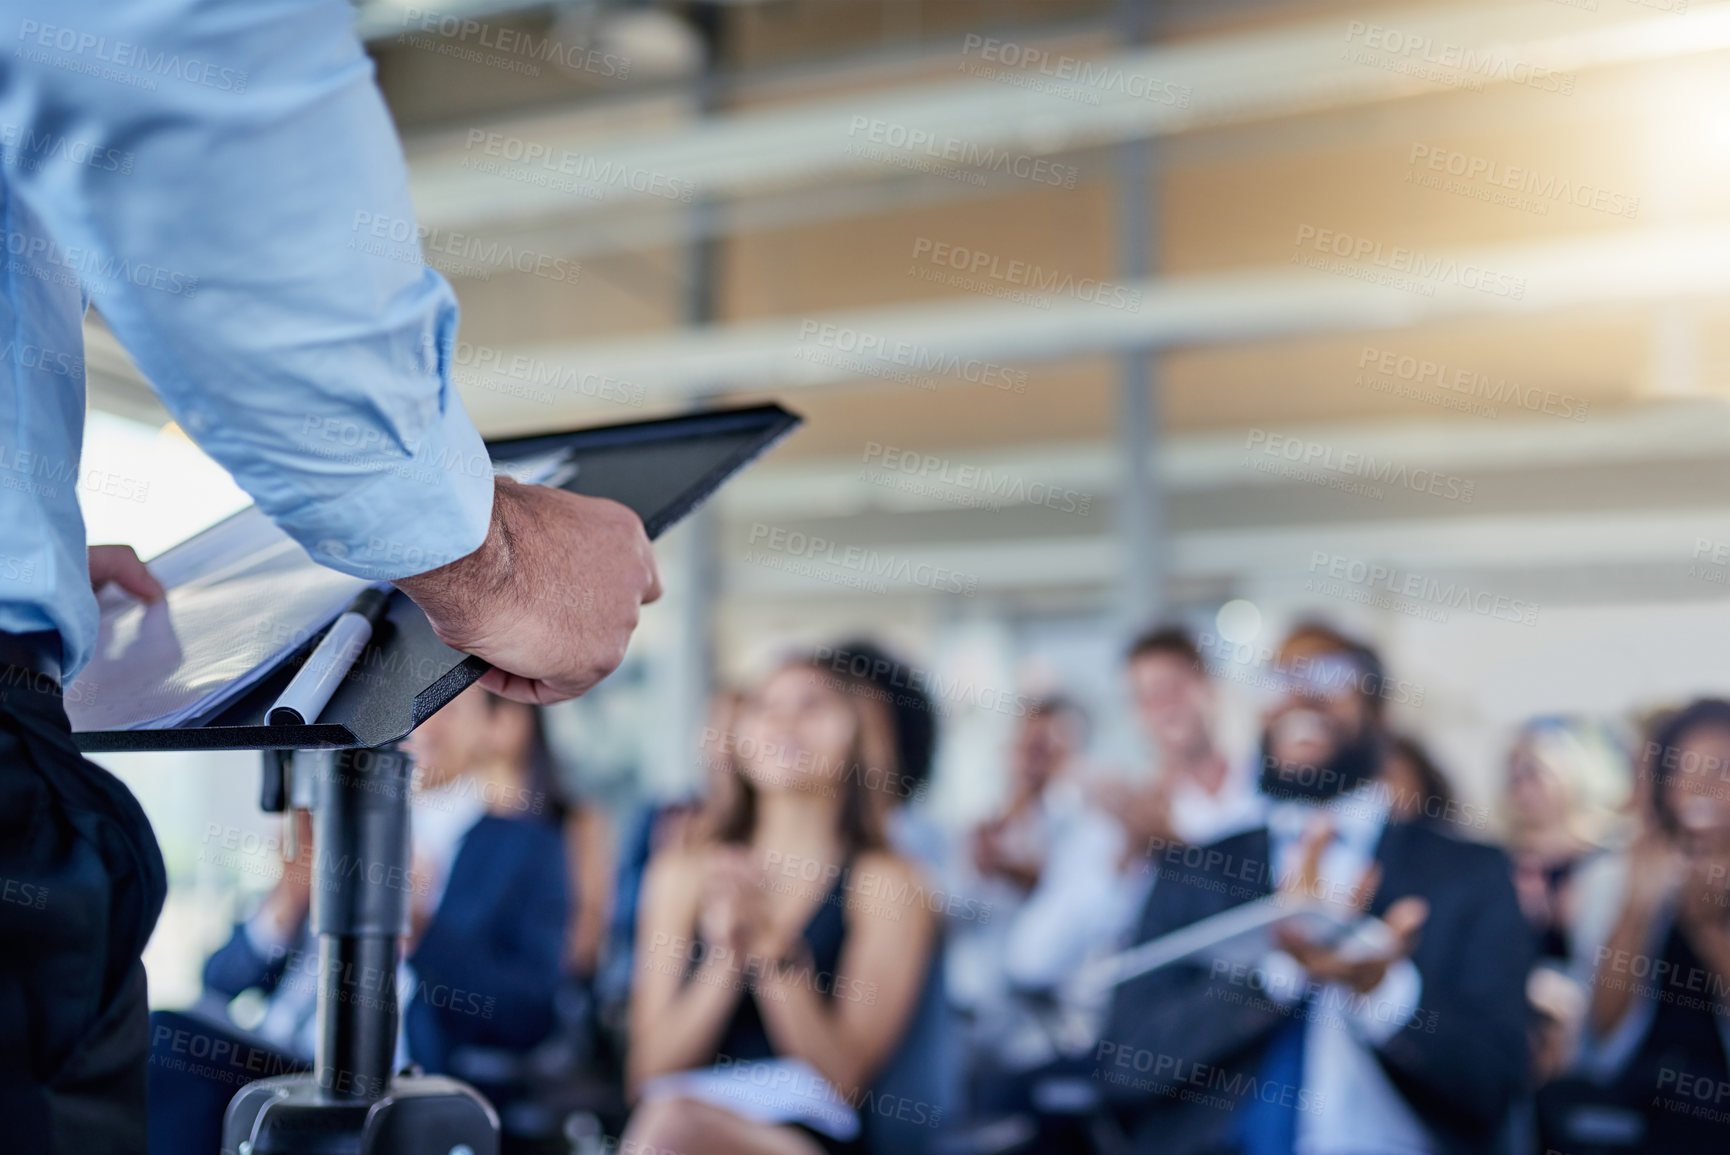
(418, 1115)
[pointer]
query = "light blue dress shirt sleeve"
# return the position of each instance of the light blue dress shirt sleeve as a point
(218, 178)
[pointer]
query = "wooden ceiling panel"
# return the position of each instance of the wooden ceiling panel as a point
(894, 257)
(1071, 401)
(1483, 371)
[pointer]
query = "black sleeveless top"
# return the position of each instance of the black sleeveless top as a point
(1553, 942)
(1683, 1040)
(745, 1036)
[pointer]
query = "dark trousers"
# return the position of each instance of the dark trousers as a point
(196, 1067)
(81, 885)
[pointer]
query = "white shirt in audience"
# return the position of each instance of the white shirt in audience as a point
(1357, 1109)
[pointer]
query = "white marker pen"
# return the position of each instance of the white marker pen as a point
(329, 663)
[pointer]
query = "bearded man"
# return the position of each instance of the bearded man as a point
(1407, 1037)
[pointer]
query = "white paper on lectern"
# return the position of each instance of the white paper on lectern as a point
(241, 597)
(238, 595)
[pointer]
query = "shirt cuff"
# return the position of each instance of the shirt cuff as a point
(1284, 980)
(261, 934)
(1377, 1016)
(421, 513)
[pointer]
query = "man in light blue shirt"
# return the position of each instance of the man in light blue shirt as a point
(202, 171)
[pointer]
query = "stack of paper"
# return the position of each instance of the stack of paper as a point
(241, 597)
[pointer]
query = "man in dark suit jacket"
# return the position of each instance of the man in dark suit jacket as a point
(487, 967)
(1410, 1042)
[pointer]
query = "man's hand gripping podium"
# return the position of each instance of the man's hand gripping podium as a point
(550, 598)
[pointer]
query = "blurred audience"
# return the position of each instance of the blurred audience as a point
(1416, 786)
(780, 961)
(1567, 785)
(1653, 1070)
(1010, 847)
(1412, 989)
(1032, 914)
(784, 951)
(1401, 1034)
(488, 918)
(1196, 795)
(488, 921)
(488, 897)
(908, 824)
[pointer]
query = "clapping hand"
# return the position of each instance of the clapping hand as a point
(1347, 962)
(732, 912)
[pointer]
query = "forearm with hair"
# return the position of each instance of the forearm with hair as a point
(451, 593)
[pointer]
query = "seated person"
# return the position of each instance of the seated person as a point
(1198, 794)
(1409, 1038)
(487, 927)
(276, 953)
(486, 944)
(1416, 786)
(1566, 797)
(1565, 800)
(1043, 867)
(487, 909)
(656, 826)
(1657, 1034)
(776, 971)
(1011, 845)
(1104, 857)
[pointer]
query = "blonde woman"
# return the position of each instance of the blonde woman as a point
(1567, 787)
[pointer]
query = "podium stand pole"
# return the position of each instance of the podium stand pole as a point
(360, 906)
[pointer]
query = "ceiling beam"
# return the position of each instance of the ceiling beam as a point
(1198, 462)
(906, 346)
(548, 168)
(1527, 544)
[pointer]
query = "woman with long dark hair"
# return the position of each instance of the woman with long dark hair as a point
(779, 961)
(1657, 1028)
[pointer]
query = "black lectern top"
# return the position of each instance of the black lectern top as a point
(661, 470)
